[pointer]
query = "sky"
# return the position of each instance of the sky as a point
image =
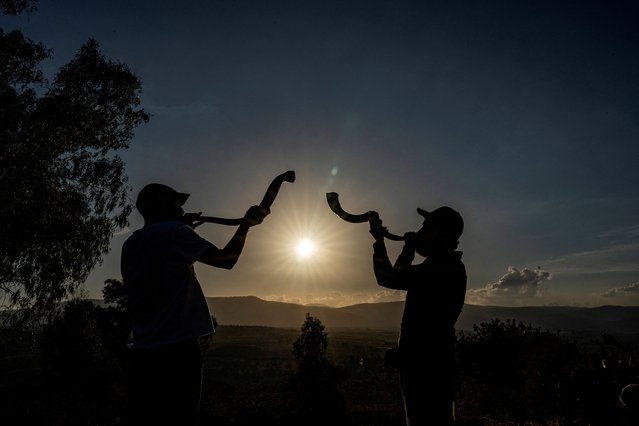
(522, 115)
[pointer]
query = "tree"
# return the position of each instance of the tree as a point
(313, 391)
(114, 319)
(83, 364)
(63, 186)
(15, 7)
(310, 347)
(512, 371)
(114, 294)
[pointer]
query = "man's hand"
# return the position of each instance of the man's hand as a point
(377, 230)
(255, 215)
(410, 239)
(192, 220)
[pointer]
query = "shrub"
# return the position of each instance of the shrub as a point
(512, 371)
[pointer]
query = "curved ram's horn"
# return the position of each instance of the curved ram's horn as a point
(333, 203)
(267, 201)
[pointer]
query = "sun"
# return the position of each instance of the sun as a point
(304, 248)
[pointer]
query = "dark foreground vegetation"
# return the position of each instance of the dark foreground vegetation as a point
(72, 372)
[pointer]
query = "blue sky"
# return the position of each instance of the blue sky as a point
(523, 115)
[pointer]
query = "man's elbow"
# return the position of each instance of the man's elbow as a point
(381, 281)
(224, 262)
(228, 263)
(386, 280)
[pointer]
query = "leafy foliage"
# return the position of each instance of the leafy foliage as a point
(310, 347)
(512, 371)
(82, 356)
(64, 188)
(15, 7)
(115, 318)
(314, 394)
(114, 293)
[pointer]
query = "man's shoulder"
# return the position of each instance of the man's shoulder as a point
(173, 224)
(158, 230)
(446, 257)
(161, 227)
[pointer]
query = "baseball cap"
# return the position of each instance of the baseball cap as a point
(445, 219)
(150, 195)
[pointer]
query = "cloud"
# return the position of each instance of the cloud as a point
(629, 290)
(615, 258)
(622, 234)
(516, 286)
(282, 298)
(387, 296)
(618, 254)
(337, 299)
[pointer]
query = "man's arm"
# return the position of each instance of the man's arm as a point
(395, 278)
(228, 256)
(407, 255)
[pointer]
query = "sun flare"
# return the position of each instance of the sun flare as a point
(304, 248)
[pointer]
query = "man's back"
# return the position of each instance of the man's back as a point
(434, 301)
(164, 295)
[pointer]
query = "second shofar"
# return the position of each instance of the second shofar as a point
(333, 203)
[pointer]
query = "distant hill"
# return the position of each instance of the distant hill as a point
(250, 310)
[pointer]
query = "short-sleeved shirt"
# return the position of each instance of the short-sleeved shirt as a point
(165, 298)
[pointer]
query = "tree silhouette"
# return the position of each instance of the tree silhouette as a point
(15, 7)
(80, 367)
(313, 390)
(512, 371)
(63, 186)
(114, 293)
(115, 319)
(310, 347)
(84, 356)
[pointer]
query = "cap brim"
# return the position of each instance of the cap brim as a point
(423, 212)
(182, 197)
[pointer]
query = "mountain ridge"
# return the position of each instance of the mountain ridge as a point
(251, 310)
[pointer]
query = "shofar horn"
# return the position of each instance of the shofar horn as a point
(267, 200)
(333, 203)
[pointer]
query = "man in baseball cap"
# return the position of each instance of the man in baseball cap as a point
(447, 222)
(156, 197)
(169, 312)
(435, 295)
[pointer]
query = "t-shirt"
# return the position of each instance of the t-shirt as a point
(435, 295)
(165, 298)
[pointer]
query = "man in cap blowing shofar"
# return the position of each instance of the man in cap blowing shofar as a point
(168, 309)
(435, 295)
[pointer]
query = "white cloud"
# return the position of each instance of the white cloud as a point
(387, 296)
(631, 290)
(515, 287)
(282, 298)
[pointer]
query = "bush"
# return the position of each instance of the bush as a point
(512, 371)
(83, 366)
(314, 396)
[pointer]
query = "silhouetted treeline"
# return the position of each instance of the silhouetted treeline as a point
(71, 372)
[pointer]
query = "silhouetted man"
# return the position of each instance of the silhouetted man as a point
(435, 295)
(168, 309)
